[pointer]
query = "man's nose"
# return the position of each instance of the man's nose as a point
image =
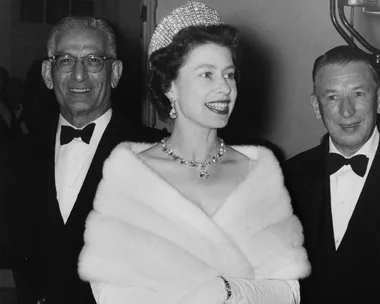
(347, 108)
(79, 71)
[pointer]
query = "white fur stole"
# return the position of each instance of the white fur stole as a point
(144, 234)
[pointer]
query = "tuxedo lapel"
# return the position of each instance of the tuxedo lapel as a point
(326, 238)
(320, 220)
(371, 187)
(83, 203)
(45, 171)
(321, 211)
(367, 209)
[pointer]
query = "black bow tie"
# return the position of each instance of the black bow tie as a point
(69, 133)
(358, 163)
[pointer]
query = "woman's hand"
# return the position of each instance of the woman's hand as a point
(211, 292)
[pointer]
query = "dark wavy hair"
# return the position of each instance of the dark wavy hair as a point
(82, 22)
(342, 55)
(164, 64)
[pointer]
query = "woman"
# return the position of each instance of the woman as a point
(191, 220)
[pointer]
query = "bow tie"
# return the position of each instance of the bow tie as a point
(69, 133)
(336, 161)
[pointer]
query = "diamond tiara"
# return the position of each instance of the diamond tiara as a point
(192, 13)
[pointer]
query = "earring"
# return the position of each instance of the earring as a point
(173, 112)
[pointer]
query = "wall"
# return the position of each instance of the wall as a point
(281, 40)
(127, 18)
(5, 32)
(373, 27)
(28, 44)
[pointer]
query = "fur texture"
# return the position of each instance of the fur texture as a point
(145, 237)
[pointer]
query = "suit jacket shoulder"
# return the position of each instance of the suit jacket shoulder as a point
(124, 130)
(306, 180)
(305, 161)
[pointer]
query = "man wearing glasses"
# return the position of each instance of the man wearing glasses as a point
(58, 180)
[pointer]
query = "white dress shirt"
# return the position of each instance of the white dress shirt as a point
(72, 162)
(346, 186)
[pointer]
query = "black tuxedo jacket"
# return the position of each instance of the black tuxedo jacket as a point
(351, 273)
(43, 250)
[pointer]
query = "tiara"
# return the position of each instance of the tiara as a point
(192, 13)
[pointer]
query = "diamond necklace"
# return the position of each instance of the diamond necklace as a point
(195, 164)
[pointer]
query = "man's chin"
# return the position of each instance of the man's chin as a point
(79, 108)
(351, 142)
(80, 104)
(79, 98)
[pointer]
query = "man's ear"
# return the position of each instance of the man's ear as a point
(378, 99)
(46, 72)
(315, 105)
(117, 70)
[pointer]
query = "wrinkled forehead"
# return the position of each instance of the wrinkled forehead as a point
(78, 40)
(345, 73)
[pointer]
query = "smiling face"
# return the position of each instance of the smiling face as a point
(347, 99)
(79, 92)
(205, 87)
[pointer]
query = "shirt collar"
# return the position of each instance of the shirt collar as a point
(368, 149)
(102, 120)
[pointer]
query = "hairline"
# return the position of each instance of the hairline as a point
(373, 72)
(85, 24)
(199, 44)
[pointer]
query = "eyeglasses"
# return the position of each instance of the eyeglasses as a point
(92, 64)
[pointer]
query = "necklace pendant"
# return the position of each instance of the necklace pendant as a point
(203, 174)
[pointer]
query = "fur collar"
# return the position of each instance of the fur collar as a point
(144, 233)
